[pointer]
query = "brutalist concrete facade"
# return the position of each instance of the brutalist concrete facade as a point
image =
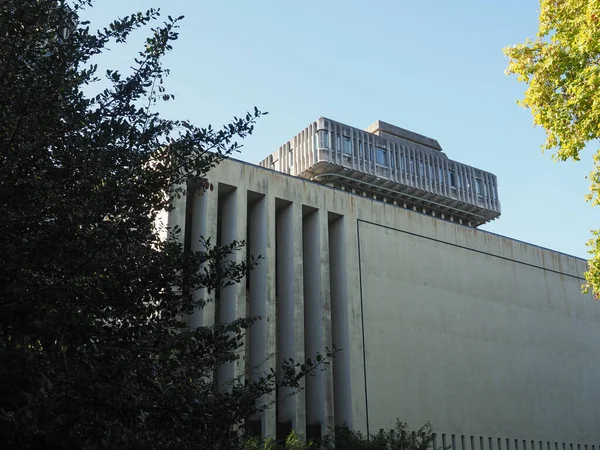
(391, 164)
(488, 338)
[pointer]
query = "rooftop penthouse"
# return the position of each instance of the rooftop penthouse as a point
(390, 164)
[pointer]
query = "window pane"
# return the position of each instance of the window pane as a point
(347, 146)
(478, 187)
(381, 156)
(360, 149)
(324, 137)
(451, 178)
(338, 143)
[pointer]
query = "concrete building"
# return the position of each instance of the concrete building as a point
(392, 164)
(487, 337)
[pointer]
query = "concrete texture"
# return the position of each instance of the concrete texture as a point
(488, 338)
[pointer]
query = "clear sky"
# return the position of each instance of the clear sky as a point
(435, 67)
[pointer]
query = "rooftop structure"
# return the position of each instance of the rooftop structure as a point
(391, 164)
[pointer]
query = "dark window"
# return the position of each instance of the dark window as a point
(381, 155)
(479, 187)
(347, 146)
(452, 178)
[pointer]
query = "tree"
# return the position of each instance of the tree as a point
(95, 351)
(562, 70)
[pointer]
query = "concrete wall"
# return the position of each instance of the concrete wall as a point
(482, 335)
(475, 342)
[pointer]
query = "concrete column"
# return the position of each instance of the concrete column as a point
(312, 131)
(446, 187)
(436, 174)
(463, 182)
(208, 314)
(423, 173)
(325, 292)
(330, 151)
(471, 183)
(489, 185)
(176, 217)
(391, 155)
(227, 301)
(313, 315)
(257, 335)
(339, 315)
(240, 288)
(495, 190)
(302, 155)
(269, 415)
(299, 420)
(402, 151)
(425, 178)
(467, 183)
(434, 180)
(413, 177)
(407, 156)
(418, 162)
(358, 401)
(198, 232)
(433, 173)
(352, 142)
(333, 143)
(298, 148)
(285, 305)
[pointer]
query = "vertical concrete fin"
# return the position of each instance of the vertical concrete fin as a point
(198, 233)
(313, 314)
(285, 303)
(339, 316)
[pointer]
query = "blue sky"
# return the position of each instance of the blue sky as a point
(435, 67)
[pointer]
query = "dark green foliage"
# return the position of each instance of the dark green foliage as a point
(399, 438)
(93, 351)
